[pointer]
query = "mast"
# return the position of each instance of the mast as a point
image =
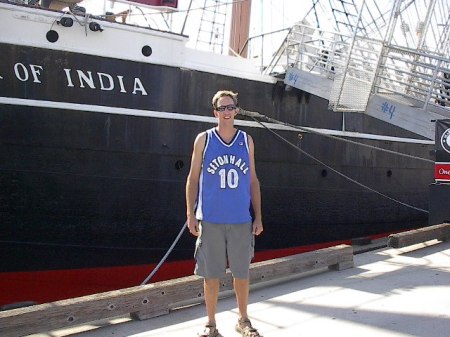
(240, 27)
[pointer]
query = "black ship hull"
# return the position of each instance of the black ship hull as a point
(94, 157)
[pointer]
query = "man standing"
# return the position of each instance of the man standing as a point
(223, 181)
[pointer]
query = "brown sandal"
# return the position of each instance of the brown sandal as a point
(210, 331)
(245, 328)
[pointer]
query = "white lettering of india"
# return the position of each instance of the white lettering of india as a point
(103, 81)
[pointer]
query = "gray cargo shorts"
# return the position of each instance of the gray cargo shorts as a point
(220, 245)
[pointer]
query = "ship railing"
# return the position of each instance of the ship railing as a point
(350, 62)
(421, 76)
(276, 65)
(361, 66)
(315, 50)
(269, 59)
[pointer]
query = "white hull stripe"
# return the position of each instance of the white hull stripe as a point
(193, 118)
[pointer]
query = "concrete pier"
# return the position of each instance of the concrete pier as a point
(390, 292)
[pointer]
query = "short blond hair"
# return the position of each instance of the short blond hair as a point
(223, 93)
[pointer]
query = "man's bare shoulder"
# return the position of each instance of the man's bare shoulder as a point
(201, 135)
(200, 138)
(250, 141)
(200, 141)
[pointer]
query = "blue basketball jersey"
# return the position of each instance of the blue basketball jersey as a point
(224, 187)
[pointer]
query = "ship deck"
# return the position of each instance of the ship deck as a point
(389, 292)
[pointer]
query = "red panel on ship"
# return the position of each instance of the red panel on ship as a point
(442, 171)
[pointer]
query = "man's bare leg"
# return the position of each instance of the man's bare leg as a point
(211, 289)
(241, 289)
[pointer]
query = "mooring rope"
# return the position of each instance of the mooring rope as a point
(255, 115)
(183, 228)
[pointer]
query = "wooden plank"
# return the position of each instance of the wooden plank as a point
(439, 232)
(50, 316)
(156, 299)
(335, 258)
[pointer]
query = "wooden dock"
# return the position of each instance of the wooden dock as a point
(375, 298)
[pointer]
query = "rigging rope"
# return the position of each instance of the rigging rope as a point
(254, 116)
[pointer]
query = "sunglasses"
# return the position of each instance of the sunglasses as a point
(227, 107)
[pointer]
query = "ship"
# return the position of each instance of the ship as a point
(98, 114)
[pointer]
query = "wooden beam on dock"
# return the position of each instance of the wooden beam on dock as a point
(437, 232)
(156, 299)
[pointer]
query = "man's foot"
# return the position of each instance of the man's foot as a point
(245, 328)
(210, 330)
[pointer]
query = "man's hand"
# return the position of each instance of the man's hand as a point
(257, 227)
(192, 224)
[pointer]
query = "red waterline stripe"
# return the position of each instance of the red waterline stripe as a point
(53, 285)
